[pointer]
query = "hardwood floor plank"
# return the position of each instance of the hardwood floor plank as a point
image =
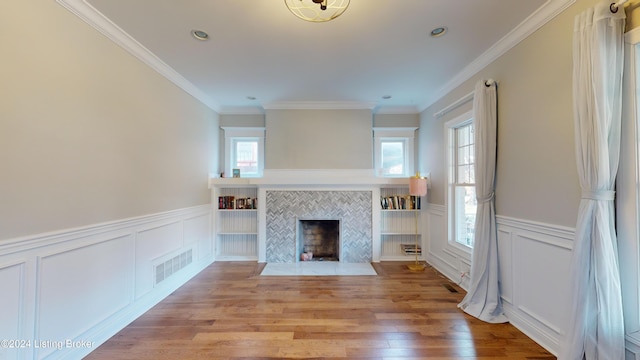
(230, 312)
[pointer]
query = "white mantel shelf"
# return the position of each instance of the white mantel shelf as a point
(311, 178)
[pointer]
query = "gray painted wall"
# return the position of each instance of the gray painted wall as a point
(88, 133)
(536, 171)
(318, 139)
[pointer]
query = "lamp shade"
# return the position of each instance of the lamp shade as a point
(417, 185)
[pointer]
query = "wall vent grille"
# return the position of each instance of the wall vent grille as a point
(172, 265)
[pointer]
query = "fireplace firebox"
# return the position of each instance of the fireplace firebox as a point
(318, 240)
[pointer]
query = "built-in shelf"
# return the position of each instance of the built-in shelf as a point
(241, 233)
(398, 227)
(236, 230)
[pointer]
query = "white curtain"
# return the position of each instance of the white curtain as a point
(596, 325)
(483, 299)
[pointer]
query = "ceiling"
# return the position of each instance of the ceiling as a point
(258, 49)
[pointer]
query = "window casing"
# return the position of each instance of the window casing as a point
(461, 190)
(244, 150)
(394, 151)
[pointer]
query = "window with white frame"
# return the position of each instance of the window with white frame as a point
(394, 151)
(244, 150)
(461, 191)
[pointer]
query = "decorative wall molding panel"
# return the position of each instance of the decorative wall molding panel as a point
(534, 264)
(72, 290)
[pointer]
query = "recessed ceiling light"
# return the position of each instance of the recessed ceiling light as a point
(386, 97)
(251, 97)
(200, 35)
(439, 31)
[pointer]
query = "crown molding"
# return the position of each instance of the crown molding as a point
(539, 18)
(98, 21)
(397, 110)
(319, 105)
(241, 110)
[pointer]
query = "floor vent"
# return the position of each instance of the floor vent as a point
(450, 288)
(172, 265)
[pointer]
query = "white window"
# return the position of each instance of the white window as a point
(244, 150)
(394, 150)
(461, 191)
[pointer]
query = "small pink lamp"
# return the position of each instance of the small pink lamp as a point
(417, 187)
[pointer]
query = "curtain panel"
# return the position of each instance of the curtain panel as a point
(483, 300)
(596, 324)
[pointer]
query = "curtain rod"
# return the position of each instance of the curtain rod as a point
(461, 101)
(614, 6)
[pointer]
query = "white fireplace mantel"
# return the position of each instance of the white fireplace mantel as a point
(313, 177)
(299, 180)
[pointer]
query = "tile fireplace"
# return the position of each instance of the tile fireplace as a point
(351, 210)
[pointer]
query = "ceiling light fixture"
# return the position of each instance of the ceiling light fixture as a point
(439, 31)
(200, 35)
(317, 10)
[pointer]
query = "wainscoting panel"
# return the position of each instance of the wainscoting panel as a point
(505, 257)
(11, 283)
(539, 277)
(62, 285)
(543, 271)
(151, 244)
(197, 233)
(534, 271)
(64, 293)
(438, 256)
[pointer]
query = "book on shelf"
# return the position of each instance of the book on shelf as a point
(400, 202)
(237, 203)
(410, 249)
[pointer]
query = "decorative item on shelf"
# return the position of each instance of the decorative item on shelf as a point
(396, 202)
(236, 173)
(417, 188)
(317, 10)
(233, 203)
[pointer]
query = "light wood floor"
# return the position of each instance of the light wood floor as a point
(229, 312)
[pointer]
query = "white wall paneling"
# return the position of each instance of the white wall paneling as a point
(152, 243)
(11, 305)
(534, 261)
(83, 285)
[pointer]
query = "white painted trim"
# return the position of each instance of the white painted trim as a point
(558, 231)
(396, 110)
(236, 258)
(240, 131)
(454, 105)
(632, 36)
(454, 248)
(241, 110)
(312, 178)
(320, 105)
(32, 242)
(545, 338)
(532, 23)
(98, 21)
